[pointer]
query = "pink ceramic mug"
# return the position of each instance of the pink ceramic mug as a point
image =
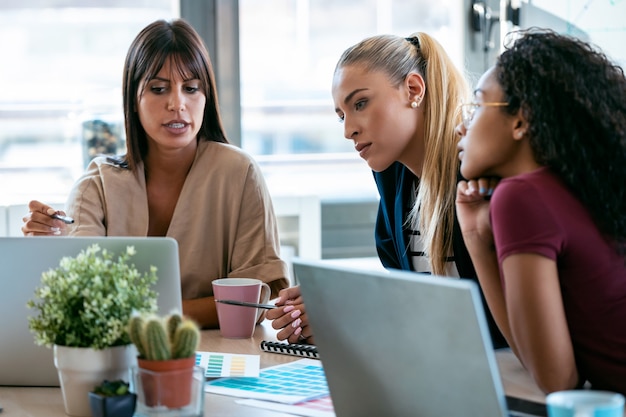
(237, 322)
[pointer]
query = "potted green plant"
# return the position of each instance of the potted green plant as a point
(112, 399)
(166, 358)
(82, 310)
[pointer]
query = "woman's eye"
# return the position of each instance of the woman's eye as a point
(341, 118)
(192, 89)
(157, 89)
(360, 104)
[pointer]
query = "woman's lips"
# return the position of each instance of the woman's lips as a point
(362, 149)
(177, 127)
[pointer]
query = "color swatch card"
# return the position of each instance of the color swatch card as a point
(289, 383)
(228, 364)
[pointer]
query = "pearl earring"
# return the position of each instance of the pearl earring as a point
(414, 104)
(519, 134)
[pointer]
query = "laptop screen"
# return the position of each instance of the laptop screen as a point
(400, 343)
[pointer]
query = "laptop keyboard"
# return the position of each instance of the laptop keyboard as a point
(518, 407)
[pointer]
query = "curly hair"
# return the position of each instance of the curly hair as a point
(574, 99)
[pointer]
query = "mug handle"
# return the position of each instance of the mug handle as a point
(264, 299)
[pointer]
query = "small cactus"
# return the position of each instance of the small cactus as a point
(156, 341)
(135, 327)
(173, 321)
(185, 340)
(170, 337)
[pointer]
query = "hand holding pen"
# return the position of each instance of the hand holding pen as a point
(43, 220)
(290, 318)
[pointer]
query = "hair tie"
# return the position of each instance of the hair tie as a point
(414, 41)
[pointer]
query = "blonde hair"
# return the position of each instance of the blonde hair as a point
(446, 88)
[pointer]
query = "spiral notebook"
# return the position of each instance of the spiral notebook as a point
(294, 349)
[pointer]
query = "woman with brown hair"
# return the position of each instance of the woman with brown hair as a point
(179, 178)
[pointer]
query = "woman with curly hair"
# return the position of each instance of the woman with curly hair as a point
(549, 120)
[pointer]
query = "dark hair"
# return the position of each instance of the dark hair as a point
(156, 43)
(574, 99)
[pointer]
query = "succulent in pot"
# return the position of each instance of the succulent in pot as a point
(112, 399)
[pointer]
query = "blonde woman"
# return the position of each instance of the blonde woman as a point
(398, 99)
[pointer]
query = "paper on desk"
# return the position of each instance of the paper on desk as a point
(219, 364)
(321, 407)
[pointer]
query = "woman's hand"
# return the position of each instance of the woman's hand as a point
(38, 222)
(472, 208)
(290, 317)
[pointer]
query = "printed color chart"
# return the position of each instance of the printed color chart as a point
(228, 364)
(288, 383)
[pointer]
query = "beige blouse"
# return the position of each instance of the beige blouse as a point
(223, 222)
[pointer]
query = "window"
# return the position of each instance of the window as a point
(61, 79)
(598, 22)
(288, 52)
(61, 100)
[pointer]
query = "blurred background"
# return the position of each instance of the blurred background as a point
(61, 76)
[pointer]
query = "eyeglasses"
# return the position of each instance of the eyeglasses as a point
(468, 110)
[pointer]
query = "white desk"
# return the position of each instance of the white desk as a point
(48, 402)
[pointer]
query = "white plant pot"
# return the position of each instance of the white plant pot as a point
(82, 369)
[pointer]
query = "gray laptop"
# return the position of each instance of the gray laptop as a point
(22, 261)
(396, 343)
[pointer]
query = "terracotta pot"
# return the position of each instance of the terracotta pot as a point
(166, 383)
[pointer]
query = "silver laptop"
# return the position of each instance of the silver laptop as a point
(395, 343)
(22, 261)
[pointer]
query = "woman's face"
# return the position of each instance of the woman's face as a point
(171, 109)
(488, 146)
(376, 115)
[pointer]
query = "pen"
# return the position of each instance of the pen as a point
(64, 219)
(245, 304)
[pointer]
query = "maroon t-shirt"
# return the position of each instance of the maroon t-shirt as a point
(536, 213)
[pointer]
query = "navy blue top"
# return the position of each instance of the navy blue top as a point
(395, 186)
